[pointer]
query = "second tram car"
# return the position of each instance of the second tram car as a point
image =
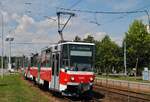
(64, 67)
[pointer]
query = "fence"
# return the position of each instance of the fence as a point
(124, 85)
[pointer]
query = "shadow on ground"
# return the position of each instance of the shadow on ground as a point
(3, 84)
(95, 96)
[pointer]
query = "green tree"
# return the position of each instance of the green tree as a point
(138, 46)
(89, 39)
(77, 39)
(107, 54)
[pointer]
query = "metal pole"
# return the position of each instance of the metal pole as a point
(125, 62)
(2, 46)
(9, 54)
(23, 61)
(148, 17)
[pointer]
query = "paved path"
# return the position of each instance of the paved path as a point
(124, 85)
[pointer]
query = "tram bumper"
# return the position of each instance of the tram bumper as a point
(77, 89)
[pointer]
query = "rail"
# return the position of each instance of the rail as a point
(123, 96)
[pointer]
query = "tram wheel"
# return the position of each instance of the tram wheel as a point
(46, 85)
(34, 81)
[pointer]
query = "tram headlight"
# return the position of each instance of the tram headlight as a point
(91, 79)
(72, 78)
(65, 80)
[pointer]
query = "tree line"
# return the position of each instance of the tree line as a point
(110, 56)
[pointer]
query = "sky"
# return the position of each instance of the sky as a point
(27, 21)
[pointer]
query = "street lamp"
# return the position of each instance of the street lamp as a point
(2, 60)
(125, 59)
(9, 38)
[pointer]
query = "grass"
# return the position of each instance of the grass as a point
(133, 79)
(15, 89)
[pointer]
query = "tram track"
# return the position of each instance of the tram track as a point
(125, 93)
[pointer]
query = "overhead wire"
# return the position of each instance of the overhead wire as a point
(48, 17)
(75, 4)
(95, 20)
(72, 6)
(101, 12)
(108, 12)
(124, 15)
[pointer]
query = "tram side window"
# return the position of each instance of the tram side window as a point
(43, 64)
(48, 64)
(32, 62)
(48, 57)
(35, 62)
(49, 60)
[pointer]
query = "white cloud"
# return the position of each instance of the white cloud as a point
(144, 18)
(125, 5)
(97, 36)
(24, 33)
(25, 22)
(117, 40)
(46, 24)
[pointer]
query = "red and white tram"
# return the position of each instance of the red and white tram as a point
(64, 67)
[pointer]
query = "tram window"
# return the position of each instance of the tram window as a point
(55, 47)
(65, 63)
(48, 64)
(65, 51)
(44, 64)
(62, 64)
(65, 58)
(47, 61)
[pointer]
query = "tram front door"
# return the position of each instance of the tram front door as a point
(55, 71)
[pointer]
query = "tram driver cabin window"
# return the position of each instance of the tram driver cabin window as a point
(65, 55)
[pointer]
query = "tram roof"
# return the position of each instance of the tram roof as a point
(80, 43)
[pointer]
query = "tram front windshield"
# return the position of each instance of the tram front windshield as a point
(80, 57)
